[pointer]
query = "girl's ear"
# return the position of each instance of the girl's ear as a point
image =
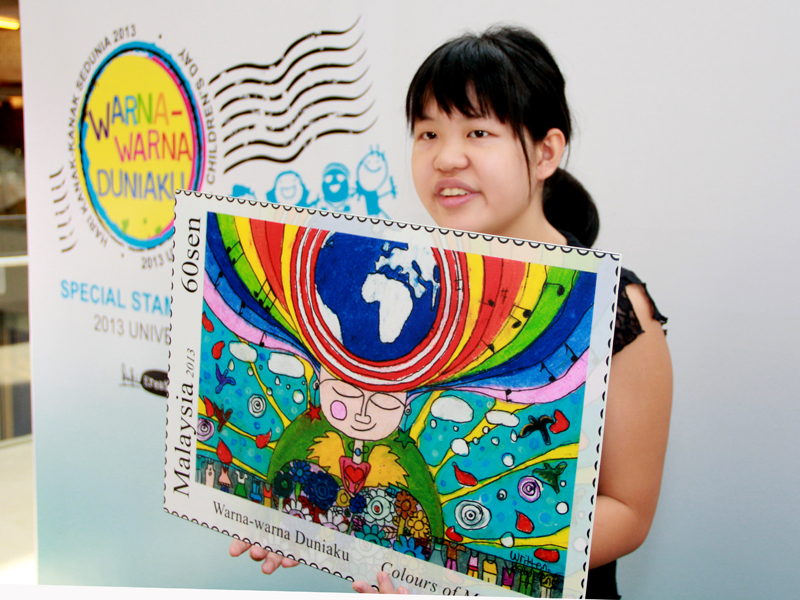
(549, 152)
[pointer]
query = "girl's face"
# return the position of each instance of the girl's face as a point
(471, 173)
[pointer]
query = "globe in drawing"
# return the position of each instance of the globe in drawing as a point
(378, 298)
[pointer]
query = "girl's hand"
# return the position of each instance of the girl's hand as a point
(385, 586)
(271, 560)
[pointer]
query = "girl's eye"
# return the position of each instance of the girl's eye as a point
(427, 135)
(478, 133)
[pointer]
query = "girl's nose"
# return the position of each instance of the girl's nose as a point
(451, 156)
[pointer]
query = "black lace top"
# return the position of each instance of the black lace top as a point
(602, 582)
(628, 327)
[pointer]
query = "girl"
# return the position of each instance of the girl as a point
(490, 124)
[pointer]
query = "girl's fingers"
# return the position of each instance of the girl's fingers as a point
(288, 563)
(362, 587)
(385, 585)
(238, 548)
(257, 553)
(271, 563)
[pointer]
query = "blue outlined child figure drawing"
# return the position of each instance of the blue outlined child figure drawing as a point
(289, 189)
(335, 188)
(337, 191)
(373, 182)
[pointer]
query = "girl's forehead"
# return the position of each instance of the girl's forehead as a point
(432, 110)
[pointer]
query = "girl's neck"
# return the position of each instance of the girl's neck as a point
(533, 225)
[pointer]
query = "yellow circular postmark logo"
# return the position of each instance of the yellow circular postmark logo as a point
(140, 138)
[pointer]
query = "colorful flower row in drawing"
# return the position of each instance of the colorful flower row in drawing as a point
(389, 517)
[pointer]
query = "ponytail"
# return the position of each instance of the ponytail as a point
(569, 207)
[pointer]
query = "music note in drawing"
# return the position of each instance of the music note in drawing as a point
(230, 248)
(261, 341)
(241, 309)
(526, 313)
(559, 290)
(219, 276)
(508, 395)
(489, 303)
(489, 346)
(574, 357)
(552, 377)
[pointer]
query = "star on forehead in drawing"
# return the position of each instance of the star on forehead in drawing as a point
(313, 413)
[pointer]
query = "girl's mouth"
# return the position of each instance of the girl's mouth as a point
(453, 193)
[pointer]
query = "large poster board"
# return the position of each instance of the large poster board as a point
(123, 104)
(368, 395)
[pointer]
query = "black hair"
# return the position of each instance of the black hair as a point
(509, 73)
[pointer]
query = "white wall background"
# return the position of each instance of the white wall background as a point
(689, 140)
(689, 129)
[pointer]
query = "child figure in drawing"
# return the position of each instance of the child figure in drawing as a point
(490, 124)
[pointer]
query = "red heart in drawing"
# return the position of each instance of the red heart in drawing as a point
(209, 407)
(561, 424)
(263, 439)
(224, 453)
(524, 524)
(207, 324)
(354, 475)
(546, 555)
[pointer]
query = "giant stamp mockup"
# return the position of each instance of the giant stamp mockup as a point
(366, 395)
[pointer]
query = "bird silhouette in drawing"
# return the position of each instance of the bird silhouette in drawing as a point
(223, 379)
(538, 424)
(212, 410)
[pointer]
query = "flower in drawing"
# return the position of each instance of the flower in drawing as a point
(322, 490)
(407, 545)
(392, 491)
(342, 498)
(296, 509)
(417, 525)
(283, 485)
(374, 534)
(406, 504)
(300, 471)
(333, 520)
(358, 504)
(380, 508)
(357, 523)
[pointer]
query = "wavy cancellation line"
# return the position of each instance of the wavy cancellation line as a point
(296, 61)
(298, 78)
(292, 46)
(306, 143)
(293, 139)
(339, 83)
(274, 111)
